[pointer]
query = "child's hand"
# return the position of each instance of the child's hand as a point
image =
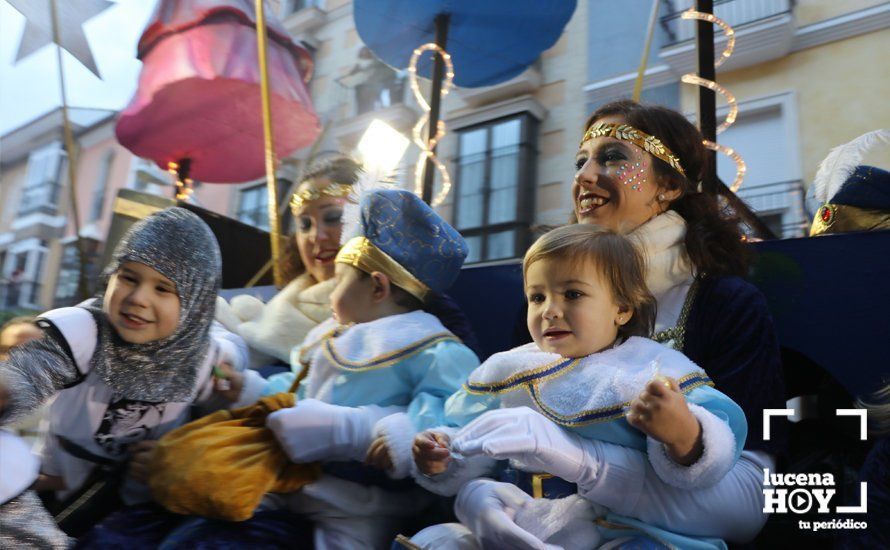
(140, 457)
(227, 382)
(431, 452)
(660, 412)
(378, 455)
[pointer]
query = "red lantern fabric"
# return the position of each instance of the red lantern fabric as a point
(198, 96)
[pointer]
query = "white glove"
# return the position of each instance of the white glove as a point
(532, 442)
(488, 507)
(314, 430)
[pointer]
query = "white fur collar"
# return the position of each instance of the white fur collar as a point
(369, 345)
(581, 391)
(366, 346)
(661, 241)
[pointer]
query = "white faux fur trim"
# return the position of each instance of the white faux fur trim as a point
(276, 327)
(366, 342)
(716, 460)
(609, 378)
(661, 241)
(461, 470)
(569, 520)
(399, 431)
(254, 384)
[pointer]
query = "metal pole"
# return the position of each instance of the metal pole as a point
(82, 290)
(707, 99)
(429, 171)
(271, 185)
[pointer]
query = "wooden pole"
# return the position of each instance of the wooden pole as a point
(68, 136)
(644, 60)
(271, 185)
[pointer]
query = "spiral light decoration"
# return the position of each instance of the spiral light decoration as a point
(184, 187)
(692, 78)
(426, 149)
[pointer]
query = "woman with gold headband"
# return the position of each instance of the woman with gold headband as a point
(637, 171)
(273, 329)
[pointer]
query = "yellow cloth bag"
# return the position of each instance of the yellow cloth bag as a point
(220, 466)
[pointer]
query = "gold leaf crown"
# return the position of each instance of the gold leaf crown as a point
(625, 132)
(307, 192)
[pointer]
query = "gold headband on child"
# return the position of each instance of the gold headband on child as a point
(307, 192)
(625, 132)
(361, 253)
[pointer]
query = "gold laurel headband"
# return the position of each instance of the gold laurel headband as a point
(308, 193)
(361, 253)
(650, 144)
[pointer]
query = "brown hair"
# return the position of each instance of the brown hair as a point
(400, 296)
(617, 260)
(713, 238)
(339, 169)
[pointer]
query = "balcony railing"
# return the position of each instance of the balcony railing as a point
(42, 197)
(734, 12)
(19, 295)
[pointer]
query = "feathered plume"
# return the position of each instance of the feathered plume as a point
(842, 161)
(367, 182)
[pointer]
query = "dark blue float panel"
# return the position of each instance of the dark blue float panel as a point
(829, 296)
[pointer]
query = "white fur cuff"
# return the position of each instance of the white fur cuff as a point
(254, 384)
(399, 431)
(460, 470)
(717, 458)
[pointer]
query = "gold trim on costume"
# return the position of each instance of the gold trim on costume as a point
(307, 192)
(359, 252)
(625, 132)
(840, 218)
(387, 359)
(508, 382)
(538, 484)
(569, 420)
(677, 333)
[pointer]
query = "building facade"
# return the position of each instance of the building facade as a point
(39, 260)
(807, 75)
(509, 148)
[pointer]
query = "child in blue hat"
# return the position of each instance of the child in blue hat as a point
(381, 368)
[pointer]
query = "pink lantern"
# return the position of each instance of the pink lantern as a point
(198, 98)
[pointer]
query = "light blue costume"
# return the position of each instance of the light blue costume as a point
(389, 378)
(589, 396)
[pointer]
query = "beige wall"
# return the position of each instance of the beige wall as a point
(841, 92)
(12, 180)
(807, 12)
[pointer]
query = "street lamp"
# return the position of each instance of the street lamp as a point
(381, 148)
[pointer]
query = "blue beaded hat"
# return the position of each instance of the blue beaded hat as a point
(855, 197)
(402, 236)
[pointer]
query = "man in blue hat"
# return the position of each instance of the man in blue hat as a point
(379, 371)
(854, 196)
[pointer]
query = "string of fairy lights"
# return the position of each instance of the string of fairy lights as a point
(691, 78)
(427, 148)
(184, 187)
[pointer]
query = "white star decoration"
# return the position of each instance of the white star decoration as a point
(72, 14)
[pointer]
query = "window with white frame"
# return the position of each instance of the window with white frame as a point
(253, 205)
(493, 188)
(41, 192)
(69, 275)
(23, 275)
